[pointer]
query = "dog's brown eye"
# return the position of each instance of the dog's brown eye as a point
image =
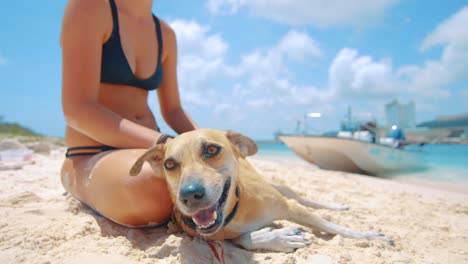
(211, 150)
(170, 164)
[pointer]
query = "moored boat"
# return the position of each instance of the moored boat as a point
(353, 155)
(359, 146)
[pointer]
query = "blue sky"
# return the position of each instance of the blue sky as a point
(258, 66)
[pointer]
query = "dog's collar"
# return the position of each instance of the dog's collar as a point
(189, 221)
(234, 210)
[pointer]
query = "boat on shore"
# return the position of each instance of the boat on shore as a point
(358, 148)
(353, 155)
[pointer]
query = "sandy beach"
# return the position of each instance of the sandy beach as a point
(39, 223)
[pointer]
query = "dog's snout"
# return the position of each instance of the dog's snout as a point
(192, 193)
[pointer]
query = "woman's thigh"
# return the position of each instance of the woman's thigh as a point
(103, 182)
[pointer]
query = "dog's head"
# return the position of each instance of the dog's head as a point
(201, 169)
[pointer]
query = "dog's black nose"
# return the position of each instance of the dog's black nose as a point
(192, 193)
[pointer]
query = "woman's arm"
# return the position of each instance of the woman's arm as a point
(86, 25)
(168, 92)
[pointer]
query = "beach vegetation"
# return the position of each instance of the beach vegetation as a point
(23, 133)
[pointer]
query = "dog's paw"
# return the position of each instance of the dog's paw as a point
(372, 235)
(339, 207)
(173, 228)
(286, 239)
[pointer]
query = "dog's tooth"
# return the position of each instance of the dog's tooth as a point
(209, 224)
(215, 215)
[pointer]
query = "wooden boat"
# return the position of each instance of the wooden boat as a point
(352, 155)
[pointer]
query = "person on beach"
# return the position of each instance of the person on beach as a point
(114, 52)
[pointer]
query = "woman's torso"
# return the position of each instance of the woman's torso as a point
(128, 102)
(139, 43)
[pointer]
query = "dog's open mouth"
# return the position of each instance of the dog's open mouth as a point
(208, 220)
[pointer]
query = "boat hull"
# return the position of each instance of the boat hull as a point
(333, 153)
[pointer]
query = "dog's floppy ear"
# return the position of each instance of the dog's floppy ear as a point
(246, 146)
(153, 156)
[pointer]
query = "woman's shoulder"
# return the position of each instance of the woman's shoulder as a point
(86, 16)
(169, 38)
(167, 31)
(86, 10)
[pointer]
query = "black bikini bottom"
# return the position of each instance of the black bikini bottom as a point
(87, 150)
(92, 150)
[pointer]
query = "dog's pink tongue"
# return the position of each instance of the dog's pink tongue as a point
(205, 217)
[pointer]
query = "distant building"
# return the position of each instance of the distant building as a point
(452, 122)
(450, 126)
(402, 115)
(444, 129)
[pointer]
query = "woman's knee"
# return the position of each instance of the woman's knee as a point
(69, 180)
(135, 204)
(103, 183)
(138, 200)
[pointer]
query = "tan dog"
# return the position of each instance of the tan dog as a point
(218, 195)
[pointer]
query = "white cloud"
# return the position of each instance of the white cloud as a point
(202, 65)
(464, 95)
(298, 46)
(200, 60)
(261, 72)
(3, 60)
(294, 45)
(452, 31)
(354, 75)
(452, 66)
(229, 113)
(267, 78)
(197, 40)
(224, 6)
(308, 12)
(433, 76)
(263, 81)
(360, 76)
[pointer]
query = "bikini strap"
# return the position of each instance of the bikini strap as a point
(91, 150)
(103, 148)
(160, 42)
(115, 17)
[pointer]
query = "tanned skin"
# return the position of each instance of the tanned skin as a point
(100, 114)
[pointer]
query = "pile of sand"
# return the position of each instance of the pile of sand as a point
(40, 224)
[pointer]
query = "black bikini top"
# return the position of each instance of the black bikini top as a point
(115, 68)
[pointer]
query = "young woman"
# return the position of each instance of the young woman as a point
(114, 53)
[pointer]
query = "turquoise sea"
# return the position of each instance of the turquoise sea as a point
(447, 163)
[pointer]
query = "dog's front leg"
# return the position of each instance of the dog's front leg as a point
(285, 239)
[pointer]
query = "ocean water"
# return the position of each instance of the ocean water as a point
(445, 163)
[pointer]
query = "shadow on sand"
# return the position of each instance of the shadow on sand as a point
(158, 244)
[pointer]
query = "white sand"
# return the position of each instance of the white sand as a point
(38, 224)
